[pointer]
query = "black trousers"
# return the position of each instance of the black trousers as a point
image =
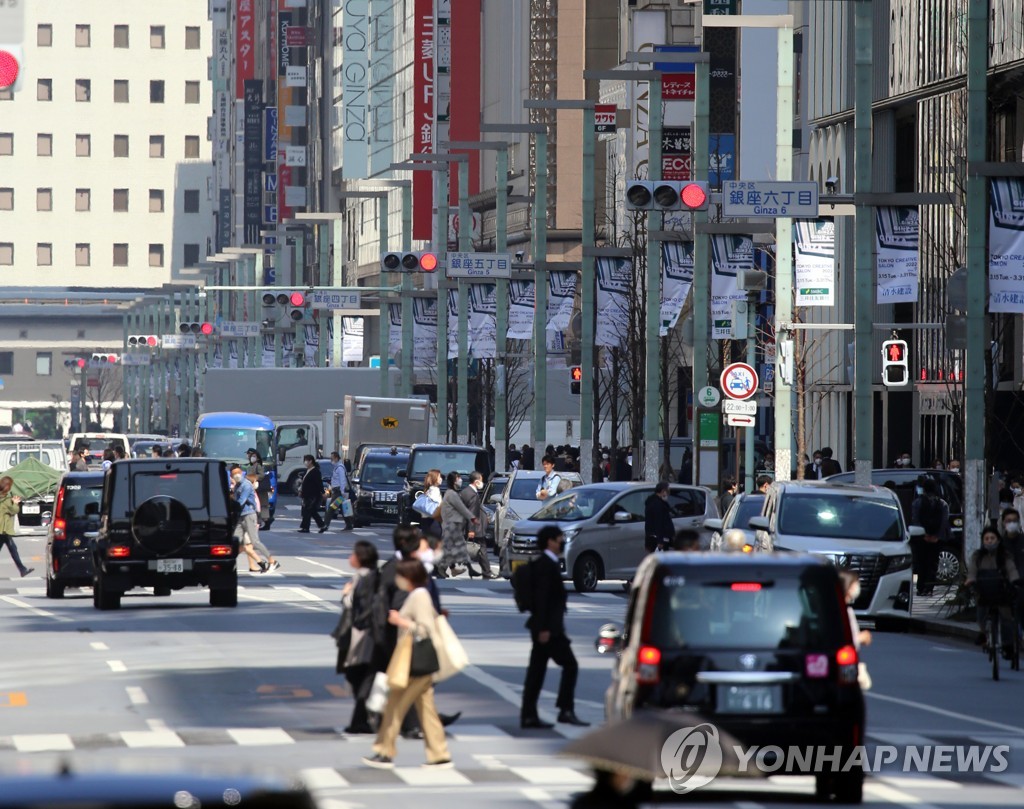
(926, 562)
(6, 539)
(360, 679)
(309, 512)
(558, 649)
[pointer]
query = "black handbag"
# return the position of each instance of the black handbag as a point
(424, 658)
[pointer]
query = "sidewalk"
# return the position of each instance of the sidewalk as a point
(931, 615)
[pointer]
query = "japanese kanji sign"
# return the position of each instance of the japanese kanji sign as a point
(769, 198)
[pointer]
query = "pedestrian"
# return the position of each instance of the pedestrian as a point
(931, 512)
(954, 466)
(658, 527)
(156, 451)
(528, 457)
(813, 470)
(416, 619)
(358, 598)
(514, 457)
(245, 495)
(311, 492)
(340, 488)
(255, 462)
(993, 561)
(9, 508)
(108, 458)
(686, 539)
(861, 637)
(829, 465)
(548, 486)
(763, 483)
(428, 503)
(78, 463)
(455, 521)
(546, 623)
(476, 536)
(184, 450)
(1011, 536)
(119, 454)
(727, 493)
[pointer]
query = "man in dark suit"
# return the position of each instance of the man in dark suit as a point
(815, 470)
(658, 527)
(829, 466)
(312, 495)
(547, 629)
(476, 537)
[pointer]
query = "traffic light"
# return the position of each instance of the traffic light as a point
(422, 261)
(103, 360)
(143, 341)
(895, 373)
(296, 306)
(575, 378)
(666, 195)
(11, 66)
(694, 196)
(195, 327)
(75, 363)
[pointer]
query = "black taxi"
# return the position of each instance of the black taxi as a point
(377, 485)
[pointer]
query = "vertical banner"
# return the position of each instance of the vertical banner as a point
(649, 28)
(522, 297)
(453, 321)
(352, 339)
(355, 83)
(424, 332)
(1006, 245)
(896, 232)
(466, 72)
(284, 123)
(483, 321)
(720, 43)
(814, 242)
(729, 255)
(561, 293)
(675, 153)
(614, 289)
(253, 136)
(245, 46)
(676, 281)
(423, 116)
(395, 331)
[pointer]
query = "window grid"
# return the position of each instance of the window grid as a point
(120, 36)
(44, 90)
(6, 199)
(83, 145)
(191, 146)
(191, 92)
(44, 36)
(156, 255)
(191, 201)
(120, 146)
(83, 36)
(156, 92)
(156, 145)
(121, 255)
(6, 254)
(44, 144)
(6, 144)
(44, 199)
(120, 200)
(156, 37)
(44, 255)
(82, 257)
(83, 199)
(192, 38)
(83, 90)
(120, 91)
(156, 200)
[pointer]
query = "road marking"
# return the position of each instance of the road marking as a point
(918, 782)
(489, 762)
(156, 724)
(252, 737)
(490, 732)
(34, 610)
(549, 776)
(42, 742)
(537, 795)
(511, 692)
(284, 691)
(896, 796)
(151, 738)
(117, 665)
(748, 805)
(943, 712)
(335, 570)
(322, 778)
(426, 777)
(99, 646)
(136, 695)
(324, 607)
(15, 699)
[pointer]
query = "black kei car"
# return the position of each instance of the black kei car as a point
(377, 484)
(759, 646)
(76, 521)
(166, 523)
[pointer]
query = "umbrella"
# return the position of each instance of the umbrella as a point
(33, 478)
(684, 747)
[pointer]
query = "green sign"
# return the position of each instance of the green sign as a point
(720, 6)
(708, 428)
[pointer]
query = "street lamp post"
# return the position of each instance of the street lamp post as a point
(251, 270)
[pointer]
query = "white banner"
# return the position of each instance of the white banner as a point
(352, 339)
(355, 82)
(676, 281)
(815, 276)
(483, 310)
(649, 28)
(896, 232)
(1006, 245)
(424, 332)
(522, 300)
(614, 288)
(729, 255)
(561, 292)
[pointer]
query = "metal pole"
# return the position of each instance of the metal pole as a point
(383, 340)
(864, 281)
(587, 302)
(443, 175)
(323, 279)
(748, 458)
(540, 316)
(338, 280)
(501, 316)
(462, 360)
(298, 281)
(655, 221)
(279, 262)
(701, 265)
(974, 389)
(255, 343)
(408, 356)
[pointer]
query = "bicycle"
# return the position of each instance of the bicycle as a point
(995, 593)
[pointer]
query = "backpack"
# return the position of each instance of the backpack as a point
(523, 586)
(930, 515)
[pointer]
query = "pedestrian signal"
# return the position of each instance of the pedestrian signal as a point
(575, 379)
(895, 372)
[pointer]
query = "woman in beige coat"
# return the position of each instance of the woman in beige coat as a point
(418, 618)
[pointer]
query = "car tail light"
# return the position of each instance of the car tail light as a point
(220, 550)
(60, 530)
(745, 586)
(60, 526)
(119, 552)
(648, 665)
(846, 662)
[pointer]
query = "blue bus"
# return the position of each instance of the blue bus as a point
(229, 436)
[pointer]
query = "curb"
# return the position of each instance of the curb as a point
(940, 626)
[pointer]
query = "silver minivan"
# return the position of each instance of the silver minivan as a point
(604, 532)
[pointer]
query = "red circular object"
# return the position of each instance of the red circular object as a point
(9, 68)
(297, 299)
(151, 341)
(206, 328)
(112, 359)
(428, 262)
(693, 195)
(739, 381)
(80, 362)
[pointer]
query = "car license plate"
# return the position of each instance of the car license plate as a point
(170, 565)
(390, 509)
(30, 508)
(750, 699)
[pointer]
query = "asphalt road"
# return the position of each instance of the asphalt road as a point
(172, 684)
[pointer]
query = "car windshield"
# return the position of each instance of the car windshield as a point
(840, 517)
(781, 613)
(188, 487)
(749, 506)
(447, 460)
(383, 469)
(524, 489)
(82, 500)
(232, 443)
(575, 505)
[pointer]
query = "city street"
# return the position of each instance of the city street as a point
(170, 683)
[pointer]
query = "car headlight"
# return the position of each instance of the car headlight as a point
(569, 533)
(901, 562)
(510, 514)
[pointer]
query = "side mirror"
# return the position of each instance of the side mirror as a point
(609, 639)
(713, 525)
(622, 516)
(496, 499)
(916, 531)
(758, 523)
(281, 454)
(355, 479)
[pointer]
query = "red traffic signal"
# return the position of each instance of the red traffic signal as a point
(694, 196)
(80, 362)
(10, 66)
(575, 378)
(895, 370)
(206, 328)
(423, 261)
(428, 262)
(297, 299)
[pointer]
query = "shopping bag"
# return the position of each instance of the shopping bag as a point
(346, 508)
(398, 666)
(360, 649)
(378, 697)
(423, 661)
(424, 505)
(451, 655)
(863, 678)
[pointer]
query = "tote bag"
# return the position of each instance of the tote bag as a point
(451, 655)
(398, 666)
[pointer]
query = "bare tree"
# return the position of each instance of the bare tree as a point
(106, 395)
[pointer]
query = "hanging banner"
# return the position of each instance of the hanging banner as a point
(561, 293)
(676, 281)
(1006, 245)
(355, 81)
(522, 299)
(615, 285)
(729, 255)
(395, 331)
(423, 116)
(424, 332)
(896, 232)
(814, 240)
(245, 46)
(352, 339)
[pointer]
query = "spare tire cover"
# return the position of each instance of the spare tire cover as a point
(162, 525)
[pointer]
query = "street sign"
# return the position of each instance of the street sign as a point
(769, 198)
(739, 381)
(479, 265)
(322, 299)
(178, 341)
(239, 328)
(135, 359)
(734, 407)
(604, 117)
(708, 397)
(736, 420)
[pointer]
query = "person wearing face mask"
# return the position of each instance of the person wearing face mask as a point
(813, 470)
(1017, 490)
(931, 512)
(9, 507)
(455, 519)
(994, 566)
(904, 461)
(248, 524)
(1011, 536)
(476, 541)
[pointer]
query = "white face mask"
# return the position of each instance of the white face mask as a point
(1012, 527)
(427, 558)
(1016, 491)
(905, 461)
(237, 478)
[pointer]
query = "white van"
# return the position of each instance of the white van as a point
(97, 442)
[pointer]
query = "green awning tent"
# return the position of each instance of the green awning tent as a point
(33, 478)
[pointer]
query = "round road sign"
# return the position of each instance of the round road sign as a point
(739, 381)
(708, 397)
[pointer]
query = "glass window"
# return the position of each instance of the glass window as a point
(120, 255)
(44, 145)
(633, 504)
(120, 146)
(575, 504)
(82, 499)
(83, 89)
(120, 36)
(191, 201)
(448, 461)
(6, 144)
(191, 258)
(230, 444)
(6, 199)
(156, 92)
(83, 199)
(6, 362)
(120, 91)
(188, 487)
(191, 37)
(44, 90)
(156, 37)
(83, 145)
(156, 200)
(191, 146)
(191, 92)
(82, 36)
(741, 513)
(44, 199)
(6, 254)
(840, 517)
(44, 363)
(685, 503)
(81, 255)
(120, 199)
(44, 255)
(156, 255)
(44, 36)
(382, 469)
(156, 145)
(6, 93)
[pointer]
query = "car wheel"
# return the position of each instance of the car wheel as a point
(845, 788)
(294, 483)
(948, 569)
(53, 589)
(586, 573)
(161, 591)
(103, 599)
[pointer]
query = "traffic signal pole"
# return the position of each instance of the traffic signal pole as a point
(655, 221)
(540, 317)
(461, 362)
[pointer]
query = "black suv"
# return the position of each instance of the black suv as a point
(760, 646)
(460, 458)
(76, 519)
(166, 523)
(377, 484)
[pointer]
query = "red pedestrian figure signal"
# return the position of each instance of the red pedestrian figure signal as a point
(895, 372)
(895, 352)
